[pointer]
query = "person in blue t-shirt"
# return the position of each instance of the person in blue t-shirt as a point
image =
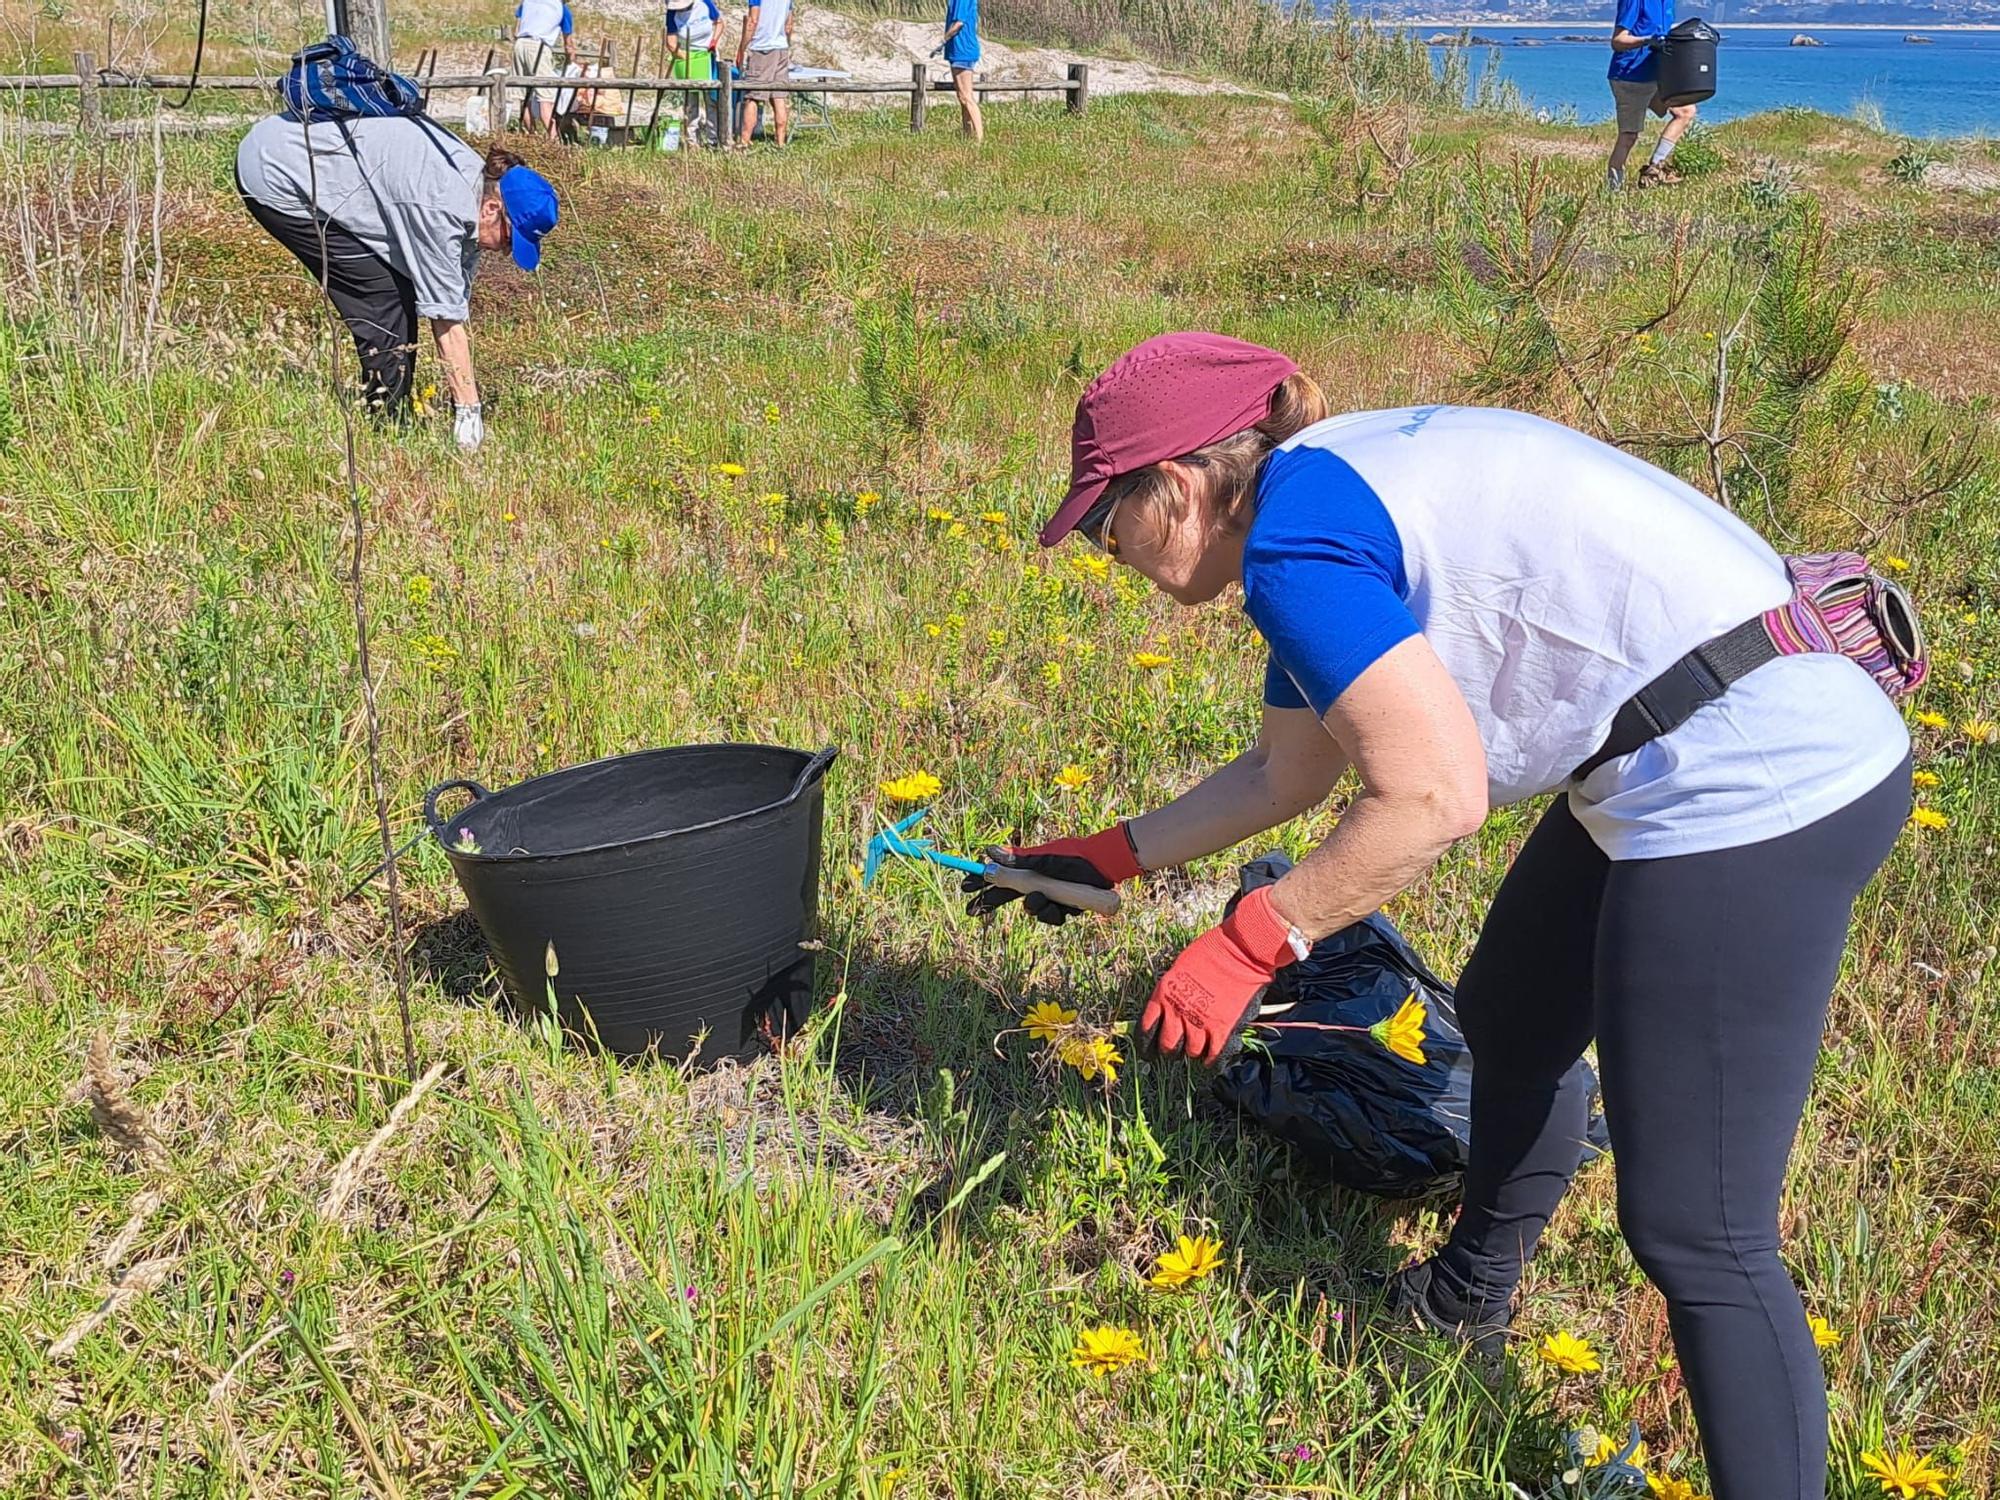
(1462, 605)
(1635, 69)
(961, 49)
(542, 30)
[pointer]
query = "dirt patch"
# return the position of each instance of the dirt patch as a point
(1962, 177)
(876, 1159)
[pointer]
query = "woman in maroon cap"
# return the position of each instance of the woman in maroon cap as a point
(1470, 607)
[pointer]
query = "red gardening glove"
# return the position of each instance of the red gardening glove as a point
(1203, 1003)
(1104, 860)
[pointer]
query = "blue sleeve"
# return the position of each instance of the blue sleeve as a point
(1631, 13)
(1323, 578)
(568, 25)
(677, 21)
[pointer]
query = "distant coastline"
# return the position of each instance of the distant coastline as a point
(1503, 23)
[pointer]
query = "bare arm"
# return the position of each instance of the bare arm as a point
(454, 346)
(1411, 737)
(1624, 41)
(953, 30)
(743, 41)
(1290, 770)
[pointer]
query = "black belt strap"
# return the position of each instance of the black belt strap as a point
(1667, 702)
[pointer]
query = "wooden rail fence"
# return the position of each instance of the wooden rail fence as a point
(91, 84)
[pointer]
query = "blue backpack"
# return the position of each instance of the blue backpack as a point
(333, 80)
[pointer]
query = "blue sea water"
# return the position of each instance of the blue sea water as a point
(1950, 87)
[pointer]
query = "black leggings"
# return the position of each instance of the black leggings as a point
(374, 299)
(1704, 978)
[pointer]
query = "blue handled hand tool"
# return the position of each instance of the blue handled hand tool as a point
(898, 839)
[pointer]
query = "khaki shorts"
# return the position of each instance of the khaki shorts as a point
(532, 55)
(765, 67)
(1634, 98)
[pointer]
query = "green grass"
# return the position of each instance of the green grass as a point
(894, 1233)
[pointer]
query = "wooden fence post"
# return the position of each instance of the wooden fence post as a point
(496, 104)
(725, 105)
(89, 95)
(920, 89)
(1079, 87)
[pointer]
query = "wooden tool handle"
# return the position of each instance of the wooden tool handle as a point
(1066, 892)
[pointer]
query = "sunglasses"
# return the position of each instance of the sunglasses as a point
(1095, 527)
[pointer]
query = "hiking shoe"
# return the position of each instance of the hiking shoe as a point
(1657, 174)
(1411, 1291)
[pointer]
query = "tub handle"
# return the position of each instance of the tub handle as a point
(813, 770)
(438, 825)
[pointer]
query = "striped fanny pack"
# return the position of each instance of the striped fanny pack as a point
(1839, 606)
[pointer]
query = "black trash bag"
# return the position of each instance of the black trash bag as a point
(1357, 1113)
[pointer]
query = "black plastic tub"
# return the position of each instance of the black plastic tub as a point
(673, 886)
(1687, 63)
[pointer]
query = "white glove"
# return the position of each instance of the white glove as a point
(469, 427)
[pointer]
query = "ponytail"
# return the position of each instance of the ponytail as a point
(499, 160)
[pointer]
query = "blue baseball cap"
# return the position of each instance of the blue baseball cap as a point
(531, 208)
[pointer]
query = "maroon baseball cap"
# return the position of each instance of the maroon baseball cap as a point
(1159, 400)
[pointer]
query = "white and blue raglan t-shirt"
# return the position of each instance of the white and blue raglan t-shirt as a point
(1554, 576)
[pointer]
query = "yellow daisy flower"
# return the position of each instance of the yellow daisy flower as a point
(994, 517)
(1090, 565)
(1568, 1353)
(1045, 1019)
(1072, 778)
(731, 471)
(1926, 781)
(866, 500)
(1105, 1350)
(1094, 1057)
(1190, 1260)
(1672, 1489)
(1150, 661)
(1933, 720)
(1825, 1335)
(911, 788)
(1403, 1033)
(1896, 564)
(1980, 731)
(1929, 817)
(1905, 1475)
(1607, 1449)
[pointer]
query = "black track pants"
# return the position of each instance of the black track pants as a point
(374, 299)
(1704, 979)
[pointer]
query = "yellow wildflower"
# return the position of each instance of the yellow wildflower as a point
(911, 788)
(1092, 1058)
(1403, 1033)
(1052, 673)
(1672, 1489)
(1072, 778)
(418, 588)
(996, 637)
(1929, 817)
(1105, 1350)
(1607, 1449)
(957, 528)
(1045, 1019)
(1150, 661)
(939, 513)
(731, 471)
(1933, 720)
(933, 631)
(1926, 781)
(775, 500)
(771, 412)
(1091, 565)
(1189, 1261)
(1905, 1475)
(1896, 564)
(507, 515)
(994, 517)
(1825, 1335)
(1568, 1353)
(886, 1485)
(866, 500)
(1980, 731)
